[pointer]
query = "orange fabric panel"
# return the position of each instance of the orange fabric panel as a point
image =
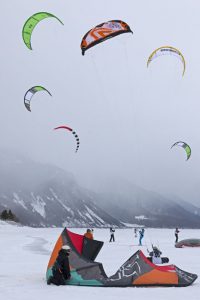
(100, 33)
(157, 277)
(54, 254)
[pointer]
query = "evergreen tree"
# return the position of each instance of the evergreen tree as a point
(8, 215)
(4, 215)
(11, 216)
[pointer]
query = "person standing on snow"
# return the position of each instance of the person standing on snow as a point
(61, 268)
(112, 236)
(135, 232)
(89, 234)
(176, 234)
(141, 233)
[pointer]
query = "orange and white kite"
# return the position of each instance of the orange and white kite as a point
(102, 32)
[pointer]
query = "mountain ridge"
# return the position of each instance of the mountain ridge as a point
(46, 195)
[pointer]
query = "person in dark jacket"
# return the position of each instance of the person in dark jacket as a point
(61, 268)
(176, 234)
(112, 236)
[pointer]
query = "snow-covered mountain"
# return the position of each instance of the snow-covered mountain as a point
(45, 195)
(132, 204)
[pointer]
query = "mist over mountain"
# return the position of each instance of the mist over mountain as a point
(46, 195)
(132, 204)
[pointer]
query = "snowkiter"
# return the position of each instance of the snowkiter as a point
(176, 234)
(155, 255)
(112, 236)
(141, 233)
(61, 268)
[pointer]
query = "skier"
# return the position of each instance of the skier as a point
(141, 233)
(61, 268)
(112, 236)
(176, 235)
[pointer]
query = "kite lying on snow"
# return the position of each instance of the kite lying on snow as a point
(188, 243)
(136, 271)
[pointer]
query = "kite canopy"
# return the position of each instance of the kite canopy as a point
(188, 243)
(30, 93)
(167, 50)
(102, 32)
(31, 23)
(184, 146)
(73, 132)
(136, 271)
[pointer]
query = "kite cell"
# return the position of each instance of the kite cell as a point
(31, 23)
(73, 132)
(184, 146)
(167, 50)
(30, 93)
(102, 32)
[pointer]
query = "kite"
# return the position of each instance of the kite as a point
(30, 93)
(31, 23)
(167, 50)
(188, 243)
(73, 132)
(136, 271)
(184, 146)
(102, 32)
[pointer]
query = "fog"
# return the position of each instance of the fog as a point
(127, 116)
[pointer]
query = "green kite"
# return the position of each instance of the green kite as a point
(31, 23)
(184, 146)
(30, 93)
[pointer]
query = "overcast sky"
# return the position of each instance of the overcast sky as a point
(127, 116)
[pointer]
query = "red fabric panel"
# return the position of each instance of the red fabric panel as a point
(168, 268)
(77, 240)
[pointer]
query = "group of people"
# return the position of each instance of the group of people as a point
(89, 234)
(141, 235)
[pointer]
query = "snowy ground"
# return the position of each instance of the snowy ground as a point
(25, 254)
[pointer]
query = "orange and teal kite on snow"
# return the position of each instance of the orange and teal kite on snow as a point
(136, 271)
